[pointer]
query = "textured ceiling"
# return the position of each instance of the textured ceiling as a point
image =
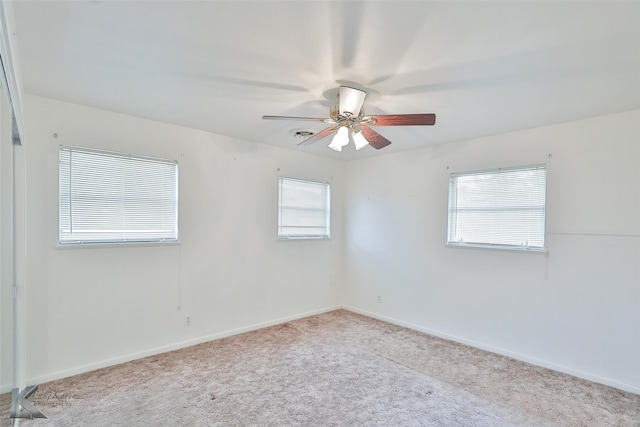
(483, 67)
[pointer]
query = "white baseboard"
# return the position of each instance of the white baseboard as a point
(163, 349)
(522, 357)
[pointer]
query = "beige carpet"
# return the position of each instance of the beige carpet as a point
(334, 369)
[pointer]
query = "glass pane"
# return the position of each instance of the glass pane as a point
(107, 198)
(303, 209)
(503, 207)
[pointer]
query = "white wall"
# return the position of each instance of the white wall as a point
(6, 245)
(94, 306)
(576, 309)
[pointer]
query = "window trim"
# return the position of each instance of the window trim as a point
(287, 237)
(119, 242)
(495, 246)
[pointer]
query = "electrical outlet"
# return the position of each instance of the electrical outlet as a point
(187, 320)
(379, 298)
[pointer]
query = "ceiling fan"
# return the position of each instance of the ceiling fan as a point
(347, 119)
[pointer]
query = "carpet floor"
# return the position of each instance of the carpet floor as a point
(333, 369)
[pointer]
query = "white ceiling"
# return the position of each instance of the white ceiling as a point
(483, 67)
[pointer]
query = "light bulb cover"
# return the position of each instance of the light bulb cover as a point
(340, 139)
(359, 140)
(351, 101)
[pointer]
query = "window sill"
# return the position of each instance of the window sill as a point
(95, 245)
(539, 251)
(293, 238)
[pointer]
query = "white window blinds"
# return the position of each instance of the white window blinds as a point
(109, 197)
(498, 208)
(303, 209)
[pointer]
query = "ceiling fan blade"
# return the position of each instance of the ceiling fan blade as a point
(403, 120)
(313, 119)
(351, 100)
(376, 140)
(318, 136)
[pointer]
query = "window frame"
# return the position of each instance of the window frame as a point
(327, 211)
(499, 246)
(69, 241)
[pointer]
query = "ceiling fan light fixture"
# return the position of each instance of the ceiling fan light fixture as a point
(351, 101)
(348, 121)
(341, 139)
(359, 140)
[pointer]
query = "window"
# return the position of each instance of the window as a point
(108, 197)
(502, 208)
(303, 209)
